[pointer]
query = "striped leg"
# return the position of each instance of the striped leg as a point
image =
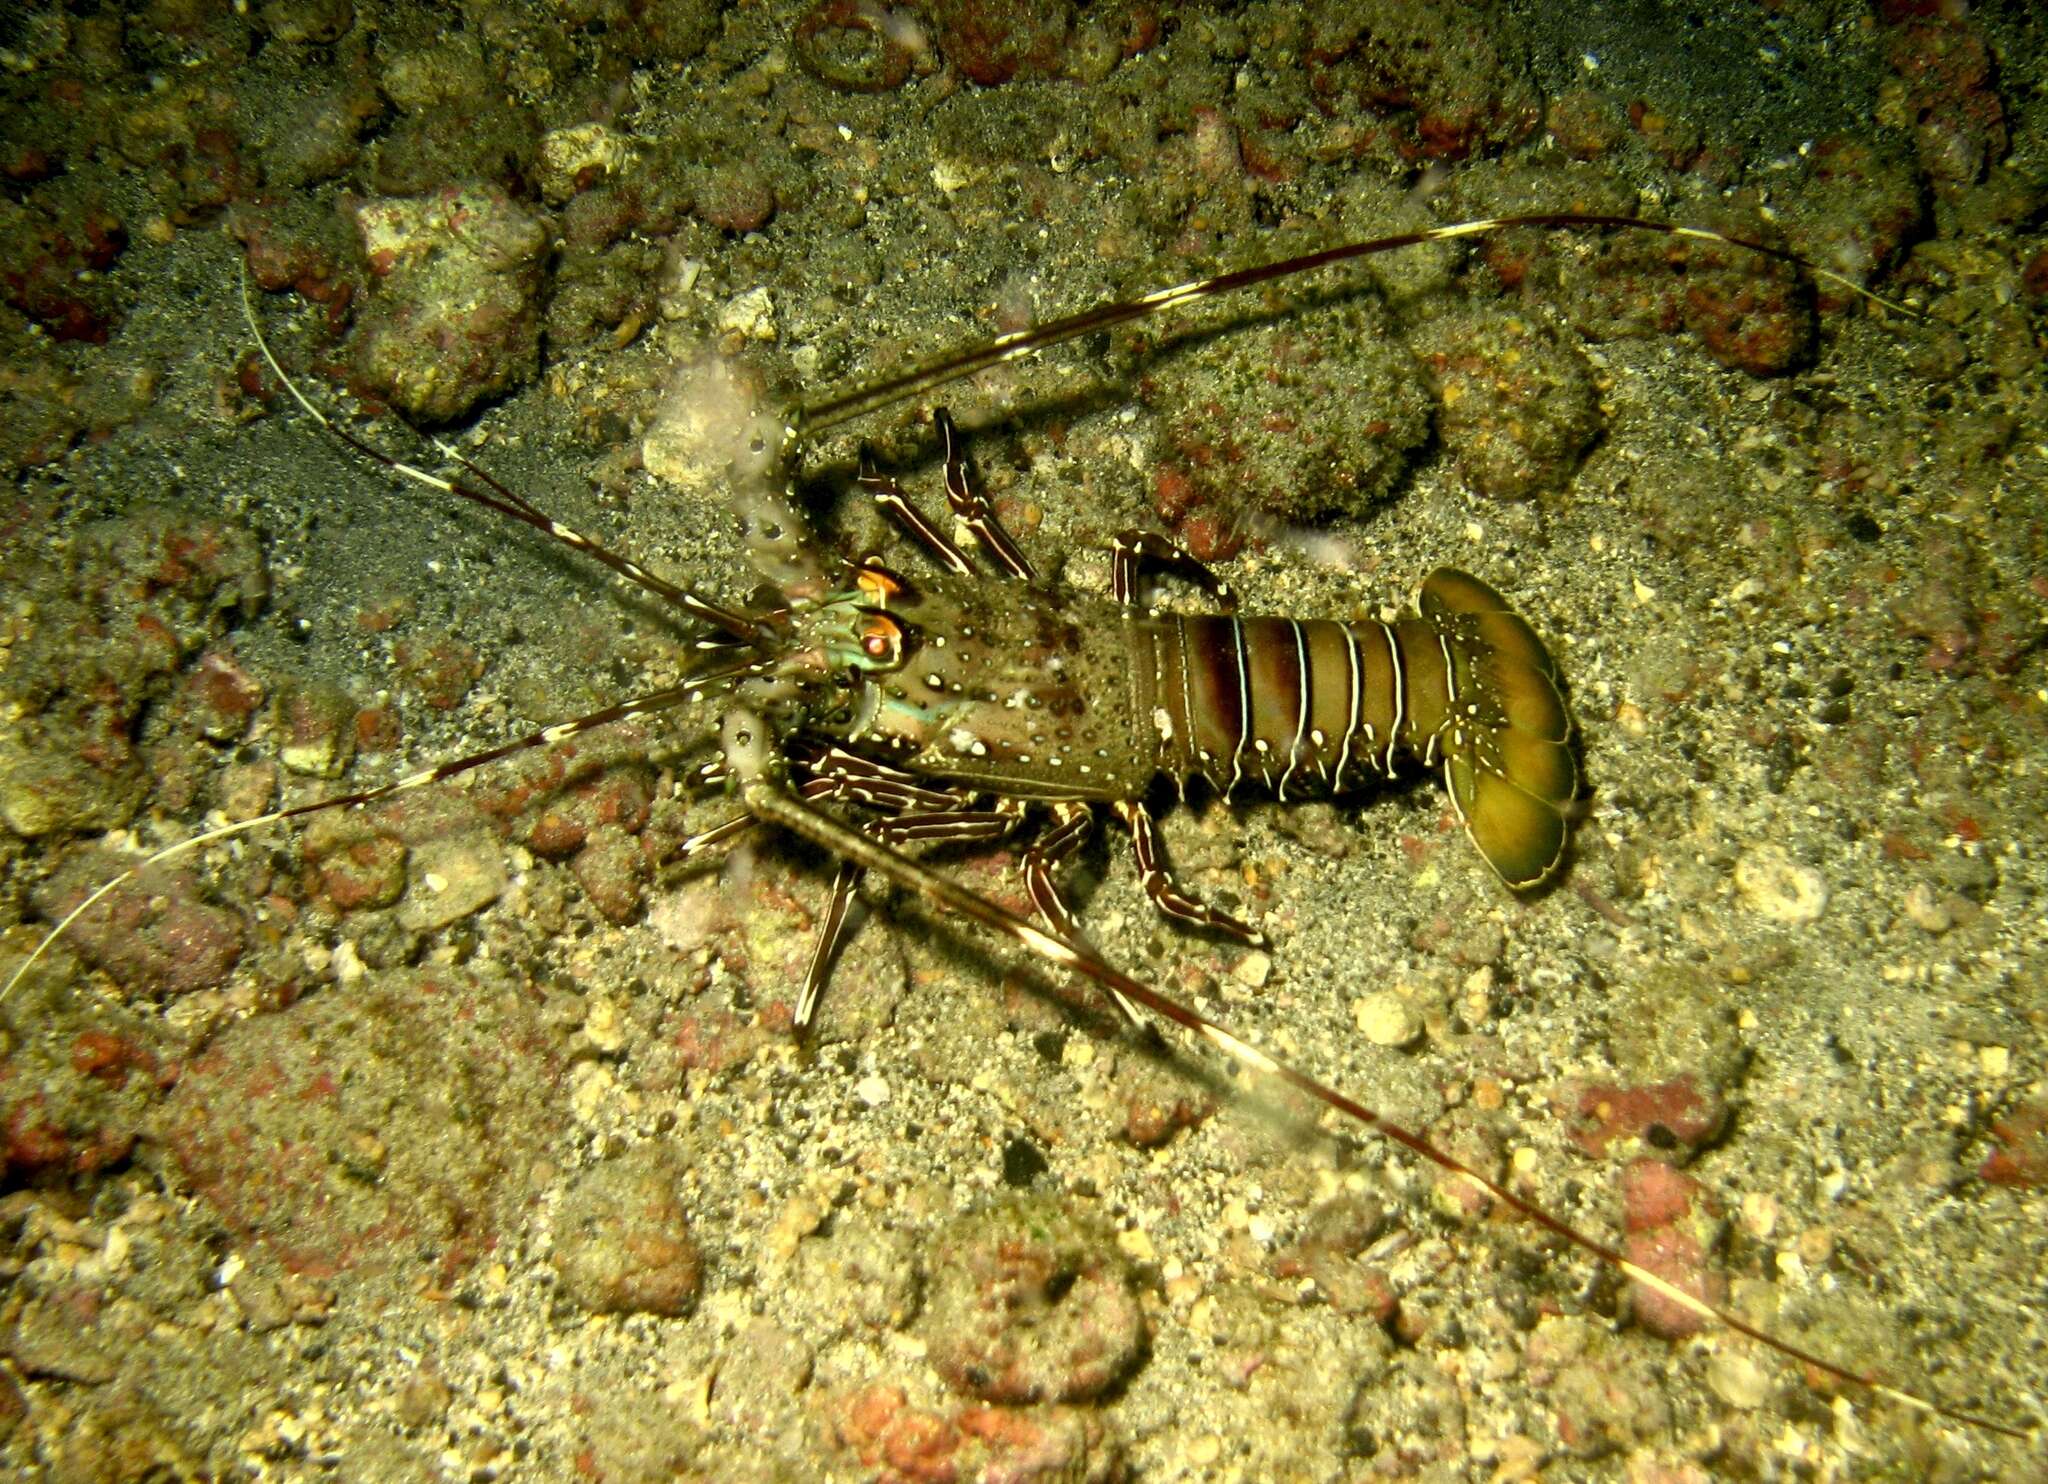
(894, 832)
(889, 495)
(1072, 822)
(1160, 887)
(717, 838)
(843, 775)
(973, 508)
(1132, 551)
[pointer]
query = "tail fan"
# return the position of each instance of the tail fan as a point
(1506, 746)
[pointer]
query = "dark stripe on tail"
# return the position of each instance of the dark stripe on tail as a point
(1297, 705)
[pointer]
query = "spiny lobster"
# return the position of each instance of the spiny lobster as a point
(947, 706)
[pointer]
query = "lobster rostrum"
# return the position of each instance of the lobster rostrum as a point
(948, 705)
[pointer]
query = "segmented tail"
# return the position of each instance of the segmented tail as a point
(1506, 745)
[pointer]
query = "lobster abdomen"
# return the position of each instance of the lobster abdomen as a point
(1312, 707)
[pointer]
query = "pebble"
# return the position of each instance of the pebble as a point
(1738, 1380)
(1035, 1302)
(1386, 1018)
(1775, 886)
(750, 316)
(622, 1243)
(1254, 968)
(1927, 911)
(704, 426)
(571, 158)
(470, 873)
(603, 1026)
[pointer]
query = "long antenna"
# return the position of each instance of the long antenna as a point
(901, 386)
(750, 761)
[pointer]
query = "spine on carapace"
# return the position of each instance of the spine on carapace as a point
(1310, 707)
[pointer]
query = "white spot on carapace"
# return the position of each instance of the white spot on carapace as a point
(1163, 720)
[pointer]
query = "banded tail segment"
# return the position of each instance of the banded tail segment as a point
(1506, 739)
(1309, 708)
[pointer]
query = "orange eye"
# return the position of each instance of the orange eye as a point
(878, 583)
(881, 640)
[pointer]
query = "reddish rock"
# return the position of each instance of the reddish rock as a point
(441, 672)
(317, 723)
(2023, 1161)
(1583, 125)
(155, 936)
(111, 1058)
(1678, 1257)
(1309, 415)
(454, 315)
(616, 797)
(904, 1444)
(356, 861)
(1516, 404)
(1437, 73)
(1035, 1303)
(2034, 277)
(612, 869)
(395, 1124)
(220, 695)
(288, 248)
(1334, 1238)
(993, 42)
(32, 1144)
(1674, 1114)
(1655, 1194)
(1761, 325)
(1951, 98)
(48, 268)
(736, 198)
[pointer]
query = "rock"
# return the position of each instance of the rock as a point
(1774, 886)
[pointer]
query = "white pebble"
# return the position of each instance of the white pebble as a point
(1738, 1380)
(1775, 886)
(603, 1026)
(872, 1090)
(1254, 968)
(1386, 1018)
(1927, 911)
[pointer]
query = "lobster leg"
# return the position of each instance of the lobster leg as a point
(1132, 551)
(900, 829)
(1072, 821)
(716, 838)
(751, 753)
(838, 774)
(973, 508)
(1160, 886)
(889, 495)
